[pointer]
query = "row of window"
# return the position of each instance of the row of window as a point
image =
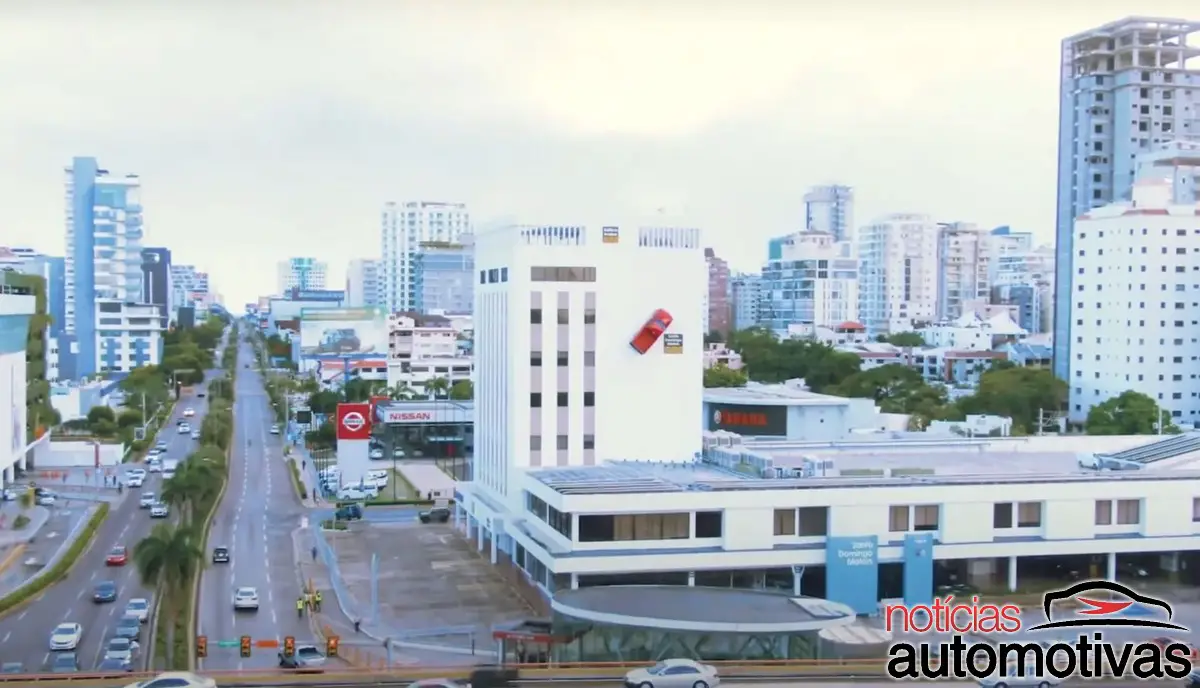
(564, 316)
(562, 274)
(631, 527)
(562, 442)
(493, 276)
(563, 399)
(563, 359)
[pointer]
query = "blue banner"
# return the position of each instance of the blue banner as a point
(852, 572)
(316, 295)
(918, 569)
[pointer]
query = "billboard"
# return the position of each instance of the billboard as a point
(852, 572)
(329, 295)
(353, 422)
(918, 568)
(343, 332)
(416, 412)
(748, 420)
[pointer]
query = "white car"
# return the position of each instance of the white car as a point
(195, 435)
(121, 649)
(353, 494)
(175, 679)
(139, 607)
(47, 499)
(185, 429)
(66, 636)
(245, 599)
(154, 466)
(274, 429)
(159, 510)
(375, 454)
(135, 480)
(188, 413)
(674, 673)
(147, 500)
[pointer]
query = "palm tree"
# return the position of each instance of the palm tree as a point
(401, 392)
(195, 482)
(167, 560)
(438, 387)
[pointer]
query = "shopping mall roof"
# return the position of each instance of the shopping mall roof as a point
(700, 609)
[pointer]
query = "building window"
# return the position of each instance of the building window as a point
(925, 517)
(1128, 512)
(627, 527)
(483, 276)
(589, 441)
(708, 524)
(535, 358)
(1002, 515)
(535, 316)
(898, 519)
(535, 443)
(564, 399)
(563, 359)
(589, 316)
(1104, 516)
(564, 316)
(563, 443)
(589, 359)
(503, 274)
(589, 398)
(1029, 515)
(535, 400)
(785, 521)
(562, 274)
(1196, 510)
(813, 520)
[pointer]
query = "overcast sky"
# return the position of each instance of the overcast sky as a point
(269, 128)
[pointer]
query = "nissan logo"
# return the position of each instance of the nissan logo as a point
(716, 417)
(353, 421)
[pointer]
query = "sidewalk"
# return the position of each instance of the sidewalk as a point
(38, 516)
(308, 475)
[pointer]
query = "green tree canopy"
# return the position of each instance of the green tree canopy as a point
(902, 339)
(324, 402)
(769, 359)
(1129, 413)
(897, 388)
(722, 375)
(1018, 393)
(463, 390)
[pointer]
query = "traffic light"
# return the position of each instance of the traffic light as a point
(245, 646)
(289, 646)
(331, 646)
(201, 646)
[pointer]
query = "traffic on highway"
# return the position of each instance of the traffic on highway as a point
(84, 622)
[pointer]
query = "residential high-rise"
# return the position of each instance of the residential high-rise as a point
(1133, 306)
(898, 279)
(403, 228)
(156, 281)
(444, 276)
(103, 271)
(810, 279)
(568, 368)
(305, 274)
(745, 295)
(830, 209)
(362, 283)
(965, 257)
(189, 287)
(717, 308)
(1023, 276)
(1124, 88)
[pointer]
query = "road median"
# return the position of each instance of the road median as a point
(77, 544)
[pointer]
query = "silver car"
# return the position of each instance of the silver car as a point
(674, 673)
(122, 649)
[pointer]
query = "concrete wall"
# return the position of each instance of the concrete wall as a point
(80, 455)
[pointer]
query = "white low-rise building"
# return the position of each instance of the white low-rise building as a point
(73, 401)
(416, 373)
(970, 332)
(717, 354)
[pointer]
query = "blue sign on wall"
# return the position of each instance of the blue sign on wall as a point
(316, 295)
(852, 572)
(918, 568)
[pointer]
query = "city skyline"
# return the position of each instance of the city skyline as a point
(728, 154)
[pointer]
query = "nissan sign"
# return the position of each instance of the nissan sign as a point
(748, 420)
(353, 421)
(393, 416)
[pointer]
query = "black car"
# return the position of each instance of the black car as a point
(220, 555)
(438, 514)
(105, 591)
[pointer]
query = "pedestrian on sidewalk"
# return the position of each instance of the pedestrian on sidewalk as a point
(317, 600)
(300, 607)
(357, 624)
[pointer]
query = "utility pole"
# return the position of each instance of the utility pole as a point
(1041, 422)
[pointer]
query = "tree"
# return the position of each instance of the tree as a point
(768, 359)
(1129, 413)
(902, 339)
(1018, 393)
(100, 414)
(722, 375)
(359, 390)
(194, 483)
(324, 437)
(324, 402)
(462, 390)
(714, 337)
(438, 387)
(402, 392)
(129, 419)
(897, 388)
(167, 559)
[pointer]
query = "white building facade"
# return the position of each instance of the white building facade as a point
(128, 336)
(814, 281)
(830, 209)
(403, 228)
(557, 380)
(16, 308)
(1136, 293)
(899, 280)
(965, 256)
(362, 283)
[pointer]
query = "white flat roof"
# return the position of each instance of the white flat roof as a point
(771, 395)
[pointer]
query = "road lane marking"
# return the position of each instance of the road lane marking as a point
(22, 616)
(79, 594)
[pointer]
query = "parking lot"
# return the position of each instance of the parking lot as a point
(430, 578)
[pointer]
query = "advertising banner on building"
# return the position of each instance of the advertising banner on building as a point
(328, 295)
(343, 332)
(852, 572)
(408, 413)
(918, 569)
(672, 343)
(353, 422)
(748, 420)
